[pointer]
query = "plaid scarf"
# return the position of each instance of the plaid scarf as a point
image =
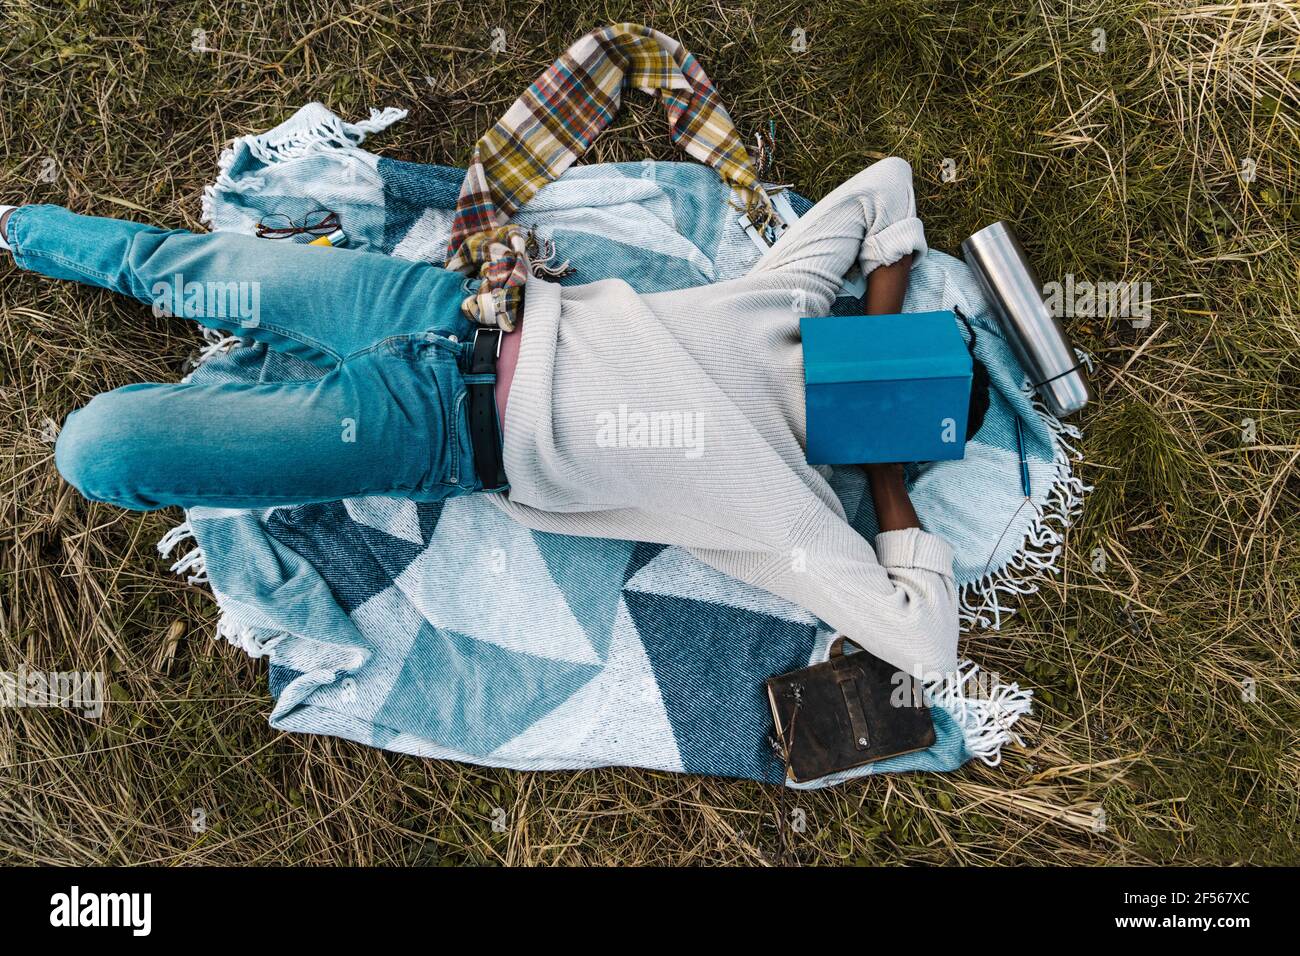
(554, 123)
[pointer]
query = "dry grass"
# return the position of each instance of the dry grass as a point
(1116, 165)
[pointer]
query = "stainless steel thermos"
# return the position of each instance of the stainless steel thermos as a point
(1011, 285)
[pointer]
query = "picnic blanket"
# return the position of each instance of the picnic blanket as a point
(386, 622)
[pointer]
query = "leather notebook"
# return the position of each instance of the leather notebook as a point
(850, 710)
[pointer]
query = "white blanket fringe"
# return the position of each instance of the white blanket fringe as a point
(192, 564)
(254, 642)
(327, 132)
(214, 344)
(986, 715)
(980, 602)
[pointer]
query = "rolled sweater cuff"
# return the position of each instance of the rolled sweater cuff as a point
(914, 548)
(892, 243)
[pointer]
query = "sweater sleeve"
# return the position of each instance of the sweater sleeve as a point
(870, 221)
(898, 601)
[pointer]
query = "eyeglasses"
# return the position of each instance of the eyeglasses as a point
(318, 222)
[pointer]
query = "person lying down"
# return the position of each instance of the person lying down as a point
(567, 430)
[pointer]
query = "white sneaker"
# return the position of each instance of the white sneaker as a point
(4, 242)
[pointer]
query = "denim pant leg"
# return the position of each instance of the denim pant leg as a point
(389, 421)
(388, 418)
(319, 303)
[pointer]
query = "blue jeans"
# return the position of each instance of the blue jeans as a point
(388, 416)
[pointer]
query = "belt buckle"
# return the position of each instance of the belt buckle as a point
(483, 328)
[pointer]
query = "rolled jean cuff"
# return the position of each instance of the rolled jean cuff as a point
(20, 226)
(12, 227)
(892, 243)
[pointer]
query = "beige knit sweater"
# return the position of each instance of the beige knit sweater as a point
(678, 418)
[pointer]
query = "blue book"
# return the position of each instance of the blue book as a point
(884, 388)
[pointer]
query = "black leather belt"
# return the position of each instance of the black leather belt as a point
(484, 431)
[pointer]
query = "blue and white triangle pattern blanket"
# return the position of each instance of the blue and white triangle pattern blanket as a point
(588, 652)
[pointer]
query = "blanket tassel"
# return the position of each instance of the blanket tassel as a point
(986, 715)
(326, 132)
(192, 564)
(250, 640)
(981, 604)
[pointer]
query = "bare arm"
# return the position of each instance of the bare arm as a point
(894, 510)
(887, 285)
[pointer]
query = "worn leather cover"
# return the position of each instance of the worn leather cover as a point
(850, 710)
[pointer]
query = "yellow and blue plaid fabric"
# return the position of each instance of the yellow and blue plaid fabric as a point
(554, 123)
